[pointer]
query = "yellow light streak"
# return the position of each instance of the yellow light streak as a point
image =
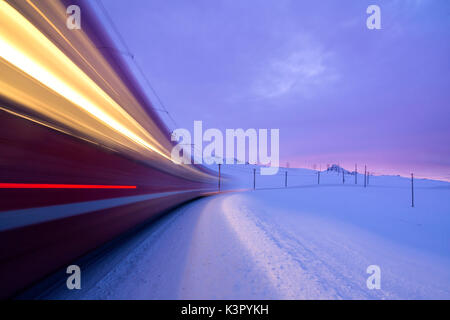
(20, 30)
(36, 74)
(68, 42)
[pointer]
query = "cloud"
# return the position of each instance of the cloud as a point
(303, 68)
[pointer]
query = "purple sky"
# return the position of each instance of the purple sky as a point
(338, 92)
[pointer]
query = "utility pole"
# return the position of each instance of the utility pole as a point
(412, 190)
(318, 177)
(254, 179)
(343, 176)
(219, 176)
(365, 175)
(356, 173)
(285, 179)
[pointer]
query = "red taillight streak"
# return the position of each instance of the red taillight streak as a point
(59, 186)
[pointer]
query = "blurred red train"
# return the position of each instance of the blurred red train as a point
(84, 157)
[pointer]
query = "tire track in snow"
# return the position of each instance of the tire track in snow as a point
(323, 268)
(287, 275)
(292, 262)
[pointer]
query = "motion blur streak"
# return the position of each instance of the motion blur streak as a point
(24, 49)
(76, 131)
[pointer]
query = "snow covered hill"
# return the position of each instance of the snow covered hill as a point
(307, 241)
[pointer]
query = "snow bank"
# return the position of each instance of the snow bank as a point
(306, 242)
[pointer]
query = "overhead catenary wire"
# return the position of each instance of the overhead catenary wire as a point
(132, 56)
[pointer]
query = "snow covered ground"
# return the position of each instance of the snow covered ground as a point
(303, 242)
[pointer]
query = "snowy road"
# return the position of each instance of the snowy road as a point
(299, 243)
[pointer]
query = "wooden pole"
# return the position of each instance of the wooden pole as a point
(412, 190)
(254, 179)
(219, 176)
(285, 180)
(343, 176)
(365, 175)
(318, 177)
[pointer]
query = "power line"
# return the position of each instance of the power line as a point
(128, 52)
